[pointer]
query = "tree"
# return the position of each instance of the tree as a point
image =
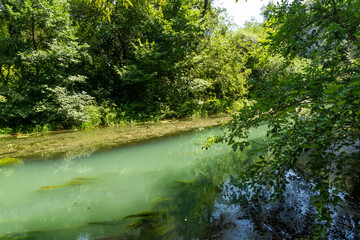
(107, 6)
(220, 65)
(111, 44)
(41, 61)
(155, 79)
(314, 110)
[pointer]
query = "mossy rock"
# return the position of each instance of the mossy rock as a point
(10, 161)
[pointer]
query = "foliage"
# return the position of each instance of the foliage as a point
(143, 57)
(220, 66)
(40, 62)
(104, 115)
(155, 77)
(197, 109)
(107, 6)
(63, 63)
(310, 102)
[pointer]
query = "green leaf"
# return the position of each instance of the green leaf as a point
(294, 92)
(330, 90)
(323, 233)
(291, 109)
(342, 102)
(328, 225)
(336, 110)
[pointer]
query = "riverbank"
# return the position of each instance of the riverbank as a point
(81, 143)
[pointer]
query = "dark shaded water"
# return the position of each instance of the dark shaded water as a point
(290, 218)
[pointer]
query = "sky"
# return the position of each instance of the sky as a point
(242, 11)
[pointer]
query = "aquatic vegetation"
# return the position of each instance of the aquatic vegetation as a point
(75, 144)
(146, 221)
(10, 161)
(143, 214)
(181, 183)
(154, 225)
(73, 182)
(160, 200)
(182, 213)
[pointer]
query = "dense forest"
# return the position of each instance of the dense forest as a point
(77, 63)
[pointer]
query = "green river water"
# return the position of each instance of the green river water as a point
(162, 189)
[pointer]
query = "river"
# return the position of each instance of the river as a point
(90, 197)
(162, 189)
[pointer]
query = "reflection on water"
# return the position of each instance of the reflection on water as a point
(159, 190)
(290, 218)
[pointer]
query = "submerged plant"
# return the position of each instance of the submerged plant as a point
(10, 161)
(74, 182)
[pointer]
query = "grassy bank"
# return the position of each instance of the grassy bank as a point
(32, 147)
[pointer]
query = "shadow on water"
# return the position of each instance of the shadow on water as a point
(289, 218)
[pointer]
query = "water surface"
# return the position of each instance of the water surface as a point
(89, 198)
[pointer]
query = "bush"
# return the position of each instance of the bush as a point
(107, 114)
(5, 131)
